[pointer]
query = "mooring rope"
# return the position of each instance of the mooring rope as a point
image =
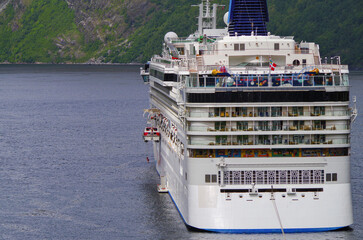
(277, 212)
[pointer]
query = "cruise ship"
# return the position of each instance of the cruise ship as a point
(252, 130)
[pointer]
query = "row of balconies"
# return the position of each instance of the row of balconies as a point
(257, 126)
(253, 112)
(269, 140)
(298, 80)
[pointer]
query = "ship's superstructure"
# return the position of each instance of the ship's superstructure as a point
(254, 128)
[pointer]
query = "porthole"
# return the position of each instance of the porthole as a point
(296, 63)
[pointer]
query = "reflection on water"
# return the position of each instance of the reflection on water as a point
(73, 164)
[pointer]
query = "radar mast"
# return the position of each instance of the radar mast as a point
(207, 18)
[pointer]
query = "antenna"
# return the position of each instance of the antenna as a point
(207, 19)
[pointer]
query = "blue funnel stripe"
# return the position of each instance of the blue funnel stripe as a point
(247, 16)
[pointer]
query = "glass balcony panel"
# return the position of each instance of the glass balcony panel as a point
(301, 80)
(199, 114)
(345, 80)
(276, 111)
(199, 129)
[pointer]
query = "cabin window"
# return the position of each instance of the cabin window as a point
(297, 111)
(239, 47)
(211, 178)
(181, 51)
(319, 125)
(297, 125)
(334, 177)
(220, 126)
(277, 125)
(214, 178)
(242, 126)
(318, 111)
(277, 46)
(276, 111)
(318, 139)
(296, 63)
(221, 140)
(331, 177)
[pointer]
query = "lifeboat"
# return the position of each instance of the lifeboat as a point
(151, 134)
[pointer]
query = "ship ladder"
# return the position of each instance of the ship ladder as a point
(200, 63)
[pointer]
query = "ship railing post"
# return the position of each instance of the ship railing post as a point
(222, 164)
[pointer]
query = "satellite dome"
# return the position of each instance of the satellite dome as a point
(225, 18)
(170, 35)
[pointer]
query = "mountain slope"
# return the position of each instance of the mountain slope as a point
(122, 31)
(335, 25)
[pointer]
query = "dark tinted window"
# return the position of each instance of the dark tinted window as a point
(236, 97)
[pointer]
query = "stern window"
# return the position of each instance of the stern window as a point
(239, 47)
(277, 46)
(331, 177)
(334, 177)
(211, 178)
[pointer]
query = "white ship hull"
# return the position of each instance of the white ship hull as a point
(206, 208)
(257, 214)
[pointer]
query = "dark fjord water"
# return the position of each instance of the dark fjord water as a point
(73, 164)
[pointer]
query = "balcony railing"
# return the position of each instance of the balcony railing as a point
(298, 80)
(271, 142)
(254, 128)
(254, 114)
(191, 63)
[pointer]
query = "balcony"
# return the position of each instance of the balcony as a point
(268, 141)
(268, 153)
(269, 112)
(265, 81)
(252, 128)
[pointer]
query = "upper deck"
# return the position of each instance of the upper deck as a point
(216, 60)
(246, 61)
(169, 72)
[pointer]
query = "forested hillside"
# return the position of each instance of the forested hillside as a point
(124, 31)
(337, 26)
